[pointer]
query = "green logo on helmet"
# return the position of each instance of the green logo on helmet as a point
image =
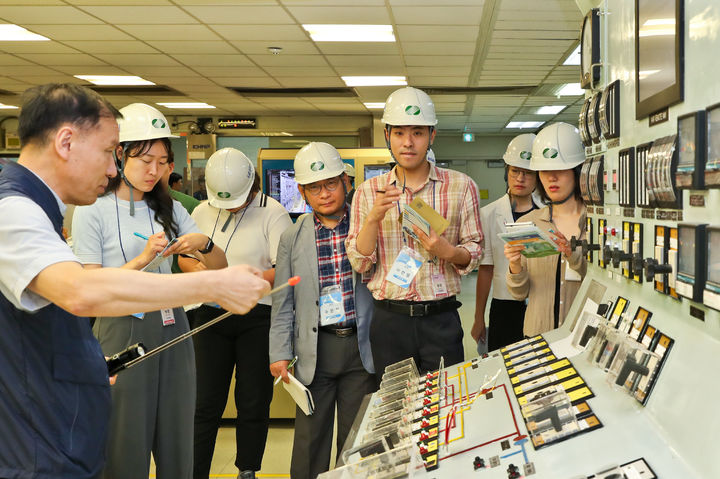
(317, 166)
(525, 155)
(550, 153)
(223, 194)
(158, 123)
(413, 110)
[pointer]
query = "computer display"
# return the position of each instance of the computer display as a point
(281, 185)
(371, 171)
(686, 247)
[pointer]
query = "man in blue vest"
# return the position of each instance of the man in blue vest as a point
(55, 400)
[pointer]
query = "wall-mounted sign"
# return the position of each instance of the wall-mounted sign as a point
(237, 123)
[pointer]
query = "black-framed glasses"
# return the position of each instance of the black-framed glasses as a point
(330, 185)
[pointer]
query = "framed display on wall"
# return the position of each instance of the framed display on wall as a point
(659, 55)
(590, 49)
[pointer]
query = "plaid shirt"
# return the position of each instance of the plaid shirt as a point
(333, 264)
(452, 194)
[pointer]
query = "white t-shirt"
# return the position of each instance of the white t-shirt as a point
(28, 245)
(252, 235)
(103, 233)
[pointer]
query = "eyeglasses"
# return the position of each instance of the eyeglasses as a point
(330, 185)
(516, 172)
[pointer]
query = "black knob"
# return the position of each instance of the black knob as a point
(607, 254)
(619, 255)
(637, 263)
(574, 243)
(593, 247)
(652, 267)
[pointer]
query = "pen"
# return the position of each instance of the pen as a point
(291, 364)
(141, 236)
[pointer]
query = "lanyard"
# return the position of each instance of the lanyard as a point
(117, 215)
(230, 215)
(400, 213)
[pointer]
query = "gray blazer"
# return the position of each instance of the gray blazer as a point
(295, 316)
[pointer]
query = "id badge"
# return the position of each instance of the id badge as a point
(406, 266)
(439, 285)
(138, 315)
(168, 317)
(332, 309)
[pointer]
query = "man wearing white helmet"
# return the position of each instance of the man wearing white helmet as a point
(350, 172)
(127, 228)
(506, 313)
(324, 320)
(61, 396)
(418, 317)
(247, 225)
(550, 283)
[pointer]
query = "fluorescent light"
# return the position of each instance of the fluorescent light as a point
(109, 80)
(8, 107)
(350, 33)
(186, 106)
(374, 106)
(524, 124)
(16, 33)
(571, 89)
(468, 137)
(550, 110)
(374, 81)
(573, 58)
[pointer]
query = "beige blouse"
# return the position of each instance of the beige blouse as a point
(536, 280)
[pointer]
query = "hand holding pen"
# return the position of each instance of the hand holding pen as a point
(286, 369)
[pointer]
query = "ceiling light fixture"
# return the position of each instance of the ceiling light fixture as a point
(468, 137)
(374, 106)
(186, 105)
(114, 80)
(8, 107)
(524, 124)
(375, 81)
(350, 33)
(16, 33)
(550, 110)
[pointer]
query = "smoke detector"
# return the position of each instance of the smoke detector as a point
(275, 50)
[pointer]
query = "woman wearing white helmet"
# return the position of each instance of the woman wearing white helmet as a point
(128, 227)
(550, 283)
(506, 313)
(247, 225)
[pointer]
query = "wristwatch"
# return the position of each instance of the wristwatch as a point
(208, 247)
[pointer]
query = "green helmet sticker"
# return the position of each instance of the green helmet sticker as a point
(413, 110)
(223, 194)
(317, 166)
(525, 155)
(550, 153)
(158, 123)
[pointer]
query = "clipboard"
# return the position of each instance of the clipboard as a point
(300, 394)
(159, 258)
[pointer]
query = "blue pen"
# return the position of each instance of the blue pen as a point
(141, 236)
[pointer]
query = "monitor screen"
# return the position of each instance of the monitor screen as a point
(281, 185)
(713, 275)
(686, 251)
(371, 171)
(686, 140)
(713, 139)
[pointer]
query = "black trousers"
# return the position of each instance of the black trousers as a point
(507, 318)
(394, 337)
(239, 343)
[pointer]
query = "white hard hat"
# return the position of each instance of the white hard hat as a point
(229, 176)
(409, 106)
(431, 156)
(350, 170)
(317, 161)
(143, 122)
(557, 147)
(519, 151)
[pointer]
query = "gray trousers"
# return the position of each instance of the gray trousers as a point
(341, 380)
(153, 403)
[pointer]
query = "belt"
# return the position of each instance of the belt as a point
(339, 332)
(419, 308)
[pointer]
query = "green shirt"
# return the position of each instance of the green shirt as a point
(189, 203)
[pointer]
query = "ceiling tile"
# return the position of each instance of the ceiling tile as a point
(270, 33)
(140, 14)
(170, 32)
(438, 48)
(448, 3)
(356, 15)
(241, 14)
(417, 33)
(249, 47)
(29, 70)
(232, 71)
(80, 32)
(35, 47)
(454, 71)
(67, 59)
(331, 3)
(192, 46)
(149, 70)
(359, 48)
(119, 2)
(393, 69)
(92, 70)
(371, 61)
(45, 15)
(428, 81)
(270, 60)
(12, 60)
(439, 61)
(199, 60)
(437, 15)
(123, 46)
(313, 82)
(300, 71)
(249, 82)
(137, 59)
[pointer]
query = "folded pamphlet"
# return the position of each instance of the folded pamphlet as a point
(537, 242)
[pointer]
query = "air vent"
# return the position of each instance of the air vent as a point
(139, 90)
(295, 92)
(480, 90)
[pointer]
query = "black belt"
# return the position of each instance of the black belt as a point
(339, 332)
(419, 308)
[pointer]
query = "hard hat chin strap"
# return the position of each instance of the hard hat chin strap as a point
(552, 203)
(125, 180)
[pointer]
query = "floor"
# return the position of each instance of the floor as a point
(276, 461)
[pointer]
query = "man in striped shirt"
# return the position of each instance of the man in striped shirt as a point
(419, 319)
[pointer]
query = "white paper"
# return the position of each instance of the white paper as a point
(300, 394)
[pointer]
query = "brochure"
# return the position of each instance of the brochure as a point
(420, 214)
(537, 242)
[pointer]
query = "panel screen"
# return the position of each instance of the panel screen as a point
(686, 257)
